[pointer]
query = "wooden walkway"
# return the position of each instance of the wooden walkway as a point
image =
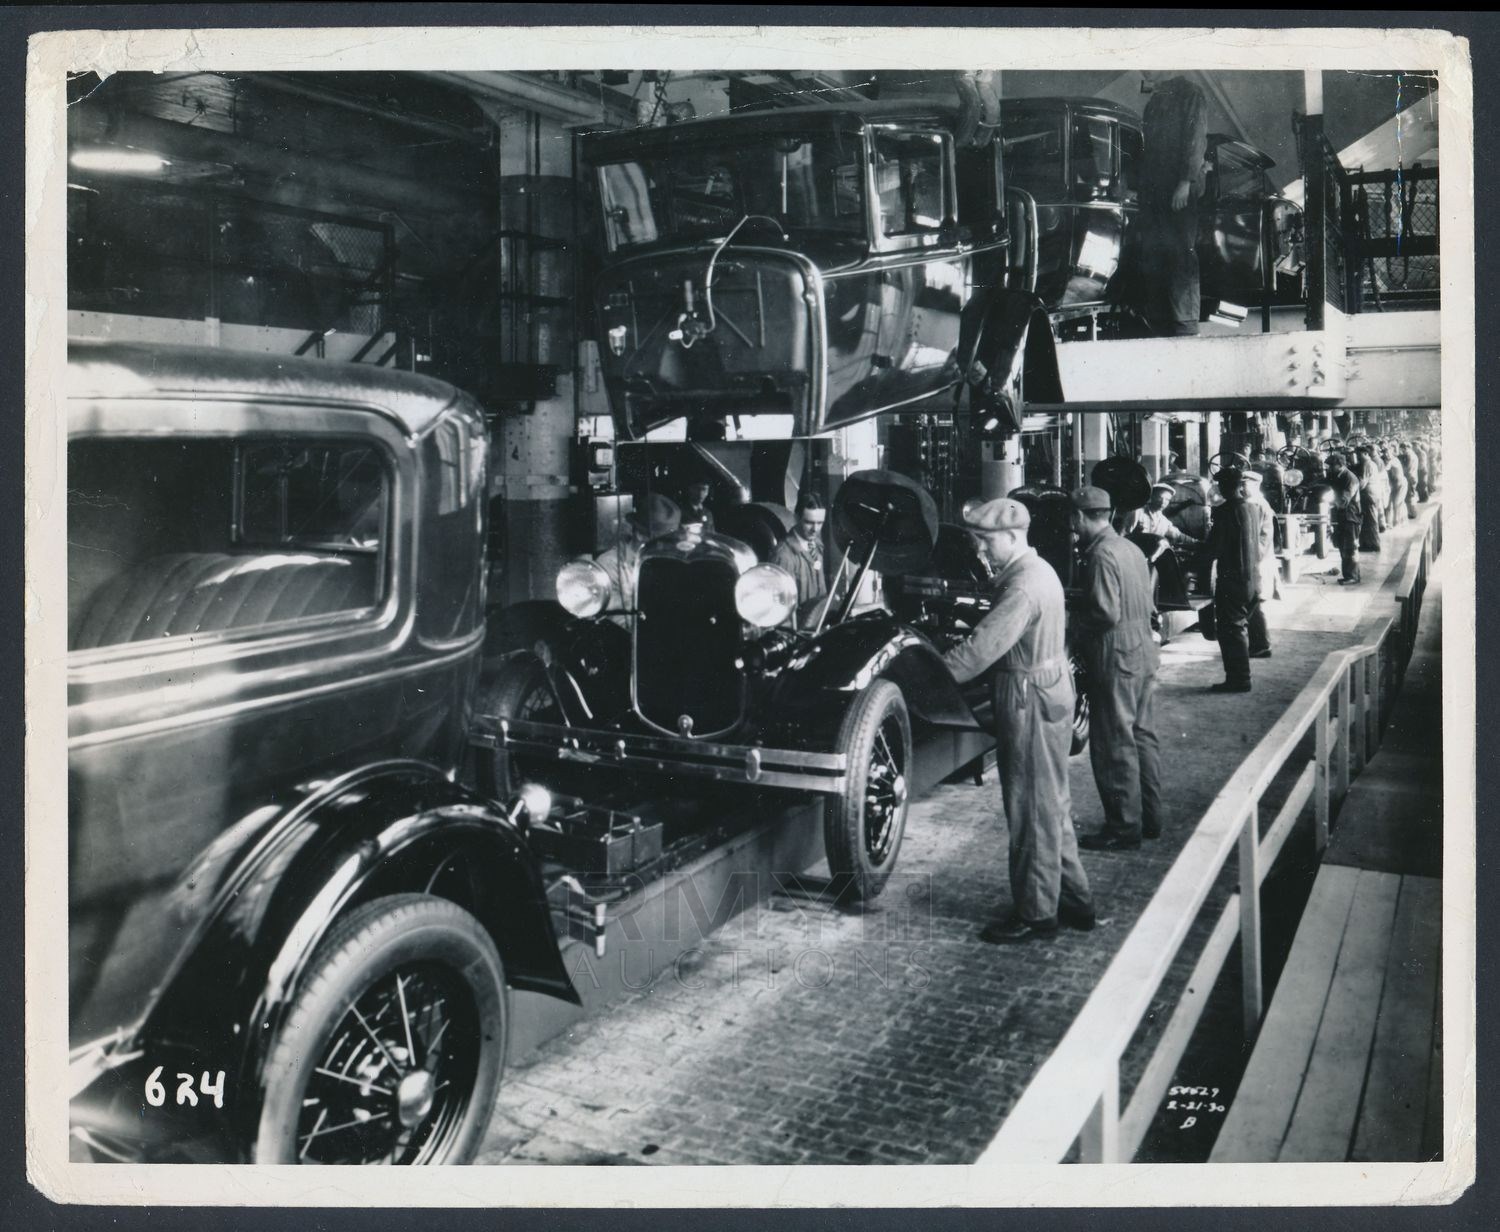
(1348, 1062)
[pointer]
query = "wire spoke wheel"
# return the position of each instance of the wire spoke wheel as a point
(863, 827)
(386, 1090)
(392, 1049)
(520, 691)
(885, 791)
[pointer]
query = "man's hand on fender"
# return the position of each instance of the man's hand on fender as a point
(1180, 195)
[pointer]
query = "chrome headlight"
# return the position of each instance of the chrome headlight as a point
(583, 587)
(765, 596)
(536, 800)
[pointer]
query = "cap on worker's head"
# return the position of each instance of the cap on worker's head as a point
(1164, 487)
(1090, 499)
(1254, 477)
(660, 516)
(1002, 513)
(1231, 477)
(1336, 456)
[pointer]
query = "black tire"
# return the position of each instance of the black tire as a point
(1080, 739)
(431, 985)
(520, 690)
(862, 828)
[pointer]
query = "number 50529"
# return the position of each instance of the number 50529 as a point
(156, 1092)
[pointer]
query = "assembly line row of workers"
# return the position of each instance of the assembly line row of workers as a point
(1021, 642)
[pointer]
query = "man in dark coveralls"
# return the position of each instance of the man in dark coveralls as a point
(1237, 539)
(1113, 624)
(1022, 638)
(1347, 517)
(1166, 261)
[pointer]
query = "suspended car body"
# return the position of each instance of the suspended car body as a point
(823, 264)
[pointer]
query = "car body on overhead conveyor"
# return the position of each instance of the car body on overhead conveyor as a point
(1079, 159)
(821, 263)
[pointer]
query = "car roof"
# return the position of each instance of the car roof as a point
(604, 146)
(143, 370)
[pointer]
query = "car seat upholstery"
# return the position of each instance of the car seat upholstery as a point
(211, 592)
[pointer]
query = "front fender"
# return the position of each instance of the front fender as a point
(851, 656)
(398, 826)
(1008, 329)
(586, 661)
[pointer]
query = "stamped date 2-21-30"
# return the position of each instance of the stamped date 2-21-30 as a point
(210, 1088)
(1194, 1100)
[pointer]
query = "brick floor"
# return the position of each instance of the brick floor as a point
(800, 1034)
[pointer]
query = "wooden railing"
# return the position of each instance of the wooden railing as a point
(1075, 1096)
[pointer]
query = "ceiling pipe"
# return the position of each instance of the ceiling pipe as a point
(300, 179)
(528, 94)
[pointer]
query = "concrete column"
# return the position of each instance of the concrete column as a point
(1212, 431)
(1312, 89)
(533, 449)
(1093, 441)
(1154, 448)
(1002, 466)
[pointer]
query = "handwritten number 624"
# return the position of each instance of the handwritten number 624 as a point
(156, 1093)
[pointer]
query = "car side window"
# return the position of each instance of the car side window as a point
(1132, 151)
(1093, 157)
(175, 538)
(1033, 153)
(910, 180)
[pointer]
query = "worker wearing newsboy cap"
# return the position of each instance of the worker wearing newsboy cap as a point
(656, 515)
(1022, 639)
(1113, 627)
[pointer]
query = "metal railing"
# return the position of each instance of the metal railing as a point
(1075, 1095)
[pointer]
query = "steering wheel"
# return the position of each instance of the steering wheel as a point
(1234, 458)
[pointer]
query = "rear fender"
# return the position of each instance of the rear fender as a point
(392, 828)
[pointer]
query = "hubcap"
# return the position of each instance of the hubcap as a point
(394, 1081)
(885, 792)
(414, 1097)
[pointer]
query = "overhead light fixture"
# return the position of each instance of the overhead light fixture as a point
(118, 161)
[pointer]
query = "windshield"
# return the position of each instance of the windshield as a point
(701, 191)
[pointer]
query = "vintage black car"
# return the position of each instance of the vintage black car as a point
(1078, 158)
(292, 929)
(709, 679)
(821, 263)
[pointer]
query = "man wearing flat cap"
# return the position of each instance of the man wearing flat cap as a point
(658, 515)
(1022, 639)
(1347, 516)
(1113, 626)
(1236, 539)
(1153, 520)
(1254, 489)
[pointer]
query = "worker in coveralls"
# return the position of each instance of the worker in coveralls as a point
(1347, 516)
(1166, 259)
(1022, 638)
(1238, 539)
(1113, 624)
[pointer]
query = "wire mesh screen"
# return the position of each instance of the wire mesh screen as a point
(1400, 267)
(273, 265)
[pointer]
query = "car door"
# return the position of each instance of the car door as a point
(239, 603)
